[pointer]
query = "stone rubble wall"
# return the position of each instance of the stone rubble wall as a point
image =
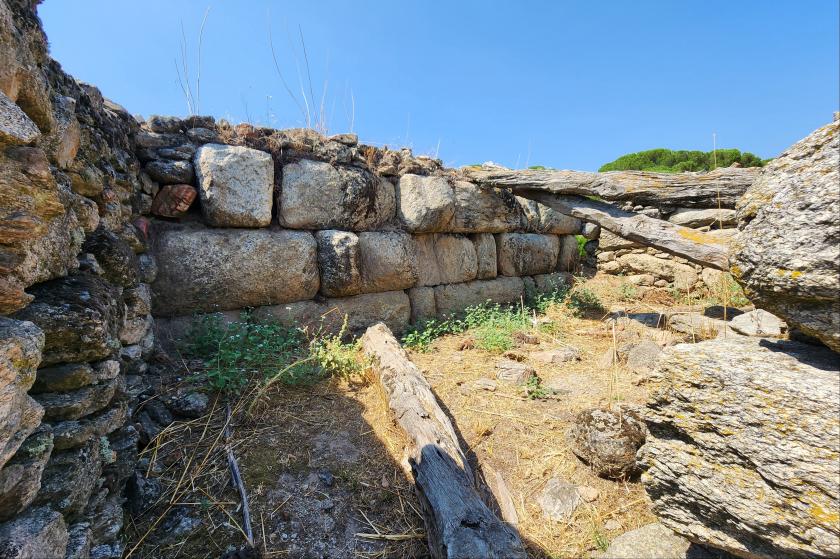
(650, 268)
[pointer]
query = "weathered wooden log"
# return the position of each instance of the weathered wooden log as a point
(691, 244)
(458, 523)
(721, 187)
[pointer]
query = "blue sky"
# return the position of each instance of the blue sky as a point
(566, 84)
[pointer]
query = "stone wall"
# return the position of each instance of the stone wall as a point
(300, 226)
(648, 268)
(75, 323)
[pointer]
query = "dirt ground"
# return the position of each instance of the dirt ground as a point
(322, 463)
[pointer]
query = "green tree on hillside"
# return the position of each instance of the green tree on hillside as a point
(670, 161)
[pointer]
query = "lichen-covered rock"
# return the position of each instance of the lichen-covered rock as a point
(692, 217)
(514, 372)
(607, 440)
(425, 204)
(235, 185)
(80, 316)
(787, 253)
(539, 218)
(526, 254)
(317, 195)
(168, 171)
(76, 432)
(683, 276)
(39, 533)
(443, 258)
(64, 377)
(422, 304)
(20, 478)
(15, 126)
(743, 445)
(114, 255)
(653, 541)
(339, 262)
(559, 499)
(758, 323)
(485, 210)
(77, 403)
(78, 542)
(454, 298)
(202, 270)
(70, 478)
(485, 252)
(388, 261)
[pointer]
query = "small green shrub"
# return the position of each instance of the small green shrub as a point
(335, 357)
(493, 325)
(581, 241)
(628, 292)
(556, 296)
(534, 390)
(582, 301)
(421, 338)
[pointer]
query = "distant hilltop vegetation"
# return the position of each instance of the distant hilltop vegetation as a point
(669, 161)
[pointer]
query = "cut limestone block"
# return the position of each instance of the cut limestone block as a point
(485, 251)
(453, 298)
(445, 258)
(201, 270)
(525, 254)
(340, 263)
(317, 195)
(235, 185)
(388, 261)
(741, 455)
(425, 204)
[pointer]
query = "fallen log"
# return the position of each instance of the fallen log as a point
(691, 244)
(719, 188)
(458, 523)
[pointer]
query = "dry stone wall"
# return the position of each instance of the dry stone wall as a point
(295, 225)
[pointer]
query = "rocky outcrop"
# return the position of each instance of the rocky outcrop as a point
(744, 435)
(787, 253)
(221, 269)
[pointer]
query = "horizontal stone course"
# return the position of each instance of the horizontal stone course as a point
(454, 298)
(443, 258)
(525, 254)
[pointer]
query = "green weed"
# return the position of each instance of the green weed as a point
(582, 301)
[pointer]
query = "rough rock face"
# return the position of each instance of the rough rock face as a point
(525, 254)
(220, 269)
(118, 261)
(485, 251)
(20, 478)
(445, 259)
(339, 262)
(39, 533)
(542, 219)
(235, 185)
(317, 195)
(485, 210)
(787, 253)
(455, 297)
(388, 261)
(653, 541)
(425, 204)
(607, 440)
(743, 446)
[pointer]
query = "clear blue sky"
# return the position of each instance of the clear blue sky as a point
(567, 84)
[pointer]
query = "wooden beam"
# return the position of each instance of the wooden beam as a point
(458, 523)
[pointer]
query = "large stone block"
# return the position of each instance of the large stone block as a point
(80, 316)
(609, 241)
(741, 455)
(526, 254)
(425, 204)
(235, 185)
(388, 261)
(117, 259)
(422, 304)
(485, 210)
(202, 270)
(485, 252)
(539, 218)
(787, 253)
(317, 195)
(569, 254)
(443, 258)
(454, 298)
(339, 262)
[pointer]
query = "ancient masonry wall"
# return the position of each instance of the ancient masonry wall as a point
(650, 268)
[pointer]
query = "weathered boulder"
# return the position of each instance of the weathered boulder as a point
(78, 541)
(443, 258)
(220, 269)
(422, 304)
(15, 126)
(455, 297)
(173, 200)
(569, 254)
(787, 253)
(235, 185)
(317, 195)
(539, 218)
(559, 499)
(526, 254)
(339, 262)
(169, 171)
(39, 533)
(20, 478)
(388, 261)
(114, 255)
(64, 377)
(485, 252)
(514, 372)
(80, 316)
(695, 326)
(743, 446)
(192, 404)
(607, 440)
(556, 281)
(425, 204)
(758, 323)
(653, 541)
(683, 276)
(485, 210)
(691, 217)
